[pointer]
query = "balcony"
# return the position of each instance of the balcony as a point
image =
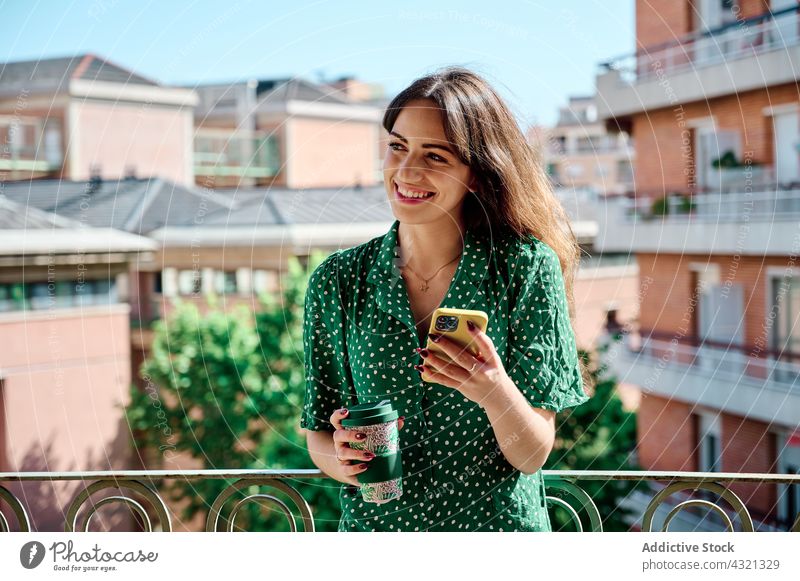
(33, 146)
(226, 153)
(765, 51)
(675, 496)
(759, 222)
(717, 375)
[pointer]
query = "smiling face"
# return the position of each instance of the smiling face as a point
(425, 180)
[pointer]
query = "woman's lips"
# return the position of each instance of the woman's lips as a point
(398, 196)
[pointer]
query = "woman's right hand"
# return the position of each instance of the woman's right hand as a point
(344, 453)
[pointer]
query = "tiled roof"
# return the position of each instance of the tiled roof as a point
(14, 216)
(28, 231)
(282, 90)
(265, 206)
(55, 73)
(141, 206)
(134, 205)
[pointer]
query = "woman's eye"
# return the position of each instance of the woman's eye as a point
(397, 146)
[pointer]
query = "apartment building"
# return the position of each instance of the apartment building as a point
(65, 357)
(581, 153)
(711, 102)
(82, 116)
(288, 133)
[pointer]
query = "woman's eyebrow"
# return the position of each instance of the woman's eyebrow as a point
(424, 145)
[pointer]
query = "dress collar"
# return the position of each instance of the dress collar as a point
(472, 266)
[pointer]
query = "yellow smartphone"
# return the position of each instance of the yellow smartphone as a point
(452, 323)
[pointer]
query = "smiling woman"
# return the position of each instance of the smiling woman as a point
(478, 226)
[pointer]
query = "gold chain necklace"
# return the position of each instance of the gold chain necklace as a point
(424, 286)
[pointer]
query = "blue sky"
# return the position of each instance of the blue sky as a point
(537, 53)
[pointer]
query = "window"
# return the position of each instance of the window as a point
(574, 171)
(624, 171)
(788, 463)
(225, 282)
(6, 304)
(785, 312)
(65, 293)
(190, 282)
(709, 442)
(58, 294)
(40, 296)
(264, 281)
(84, 294)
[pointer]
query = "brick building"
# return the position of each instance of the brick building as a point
(581, 153)
(65, 356)
(711, 101)
(288, 133)
(82, 116)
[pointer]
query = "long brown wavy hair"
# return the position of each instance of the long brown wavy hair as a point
(513, 189)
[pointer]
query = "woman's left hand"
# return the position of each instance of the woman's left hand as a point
(479, 378)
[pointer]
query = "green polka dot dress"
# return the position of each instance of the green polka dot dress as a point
(359, 339)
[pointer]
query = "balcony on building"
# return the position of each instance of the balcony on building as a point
(738, 55)
(747, 222)
(33, 147)
(760, 382)
(226, 153)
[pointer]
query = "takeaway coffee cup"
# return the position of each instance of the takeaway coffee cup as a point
(382, 481)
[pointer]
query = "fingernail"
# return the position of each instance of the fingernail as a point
(343, 411)
(360, 436)
(424, 353)
(435, 338)
(418, 368)
(418, 349)
(402, 418)
(369, 455)
(471, 325)
(362, 465)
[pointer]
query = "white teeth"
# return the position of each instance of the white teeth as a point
(409, 194)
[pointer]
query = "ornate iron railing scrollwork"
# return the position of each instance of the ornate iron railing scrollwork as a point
(216, 519)
(558, 488)
(728, 495)
(71, 521)
(19, 511)
(563, 489)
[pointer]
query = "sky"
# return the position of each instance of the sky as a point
(536, 53)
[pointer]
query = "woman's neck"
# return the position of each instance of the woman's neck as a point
(426, 247)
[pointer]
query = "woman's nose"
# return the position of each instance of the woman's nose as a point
(410, 169)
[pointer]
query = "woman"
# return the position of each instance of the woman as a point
(477, 228)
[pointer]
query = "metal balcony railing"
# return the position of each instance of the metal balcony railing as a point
(563, 489)
(31, 144)
(226, 152)
(772, 368)
(740, 38)
(771, 205)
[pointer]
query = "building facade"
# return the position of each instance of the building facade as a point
(288, 133)
(65, 361)
(83, 116)
(712, 104)
(581, 153)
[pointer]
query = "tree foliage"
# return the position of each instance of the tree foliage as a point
(597, 435)
(226, 389)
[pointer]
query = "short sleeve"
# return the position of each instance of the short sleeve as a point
(327, 382)
(542, 352)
